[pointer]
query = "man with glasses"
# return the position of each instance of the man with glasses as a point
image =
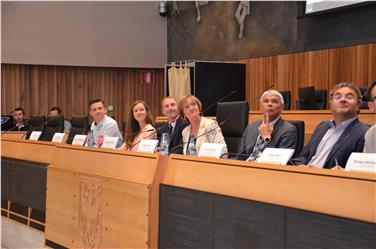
(333, 141)
(370, 137)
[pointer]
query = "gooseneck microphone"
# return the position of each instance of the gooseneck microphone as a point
(221, 99)
(203, 134)
(42, 125)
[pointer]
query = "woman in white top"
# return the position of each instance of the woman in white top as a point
(201, 130)
(139, 126)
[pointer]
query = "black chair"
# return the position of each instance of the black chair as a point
(35, 123)
(321, 97)
(236, 116)
(307, 98)
(299, 124)
(287, 99)
(80, 126)
(53, 125)
(311, 99)
(364, 103)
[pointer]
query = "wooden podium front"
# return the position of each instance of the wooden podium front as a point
(102, 198)
(216, 203)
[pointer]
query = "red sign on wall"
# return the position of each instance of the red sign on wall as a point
(148, 77)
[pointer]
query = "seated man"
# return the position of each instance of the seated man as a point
(333, 141)
(102, 126)
(56, 111)
(370, 137)
(19, 120)
(174, 126)
(271, 132)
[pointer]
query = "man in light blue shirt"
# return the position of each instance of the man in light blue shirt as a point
(102, 126)
(333, 141)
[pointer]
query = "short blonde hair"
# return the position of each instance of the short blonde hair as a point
(184, 101)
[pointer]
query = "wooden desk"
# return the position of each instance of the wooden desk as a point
(23, 175)
(105, 196)
(13, 134)
(244, 204)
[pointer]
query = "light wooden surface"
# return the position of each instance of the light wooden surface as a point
(13, 134)
(36, 151)
(130, 196)
(345, 194)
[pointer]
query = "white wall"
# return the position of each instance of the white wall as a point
(114, 34)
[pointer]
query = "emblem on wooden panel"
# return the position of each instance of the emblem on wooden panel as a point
(90, 214)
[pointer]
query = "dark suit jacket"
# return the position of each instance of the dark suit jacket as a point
(15, 128)
(176, 135)
(351, 140)
(284, 135)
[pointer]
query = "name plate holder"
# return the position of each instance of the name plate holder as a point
(110, 142)
(361, 162)
(276, 156)
(211, 150)
(79, 140)
(147, 145)
(58, 137)
(35, 135)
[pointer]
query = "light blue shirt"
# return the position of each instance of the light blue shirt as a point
(328, 141)
(106, 127)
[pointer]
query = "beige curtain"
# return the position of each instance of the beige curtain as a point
(179, 81)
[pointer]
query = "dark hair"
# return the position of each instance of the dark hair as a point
(133, 126)
(93, 101)
(349, 85)
(56, 108)
(20, 109)
(369, 91)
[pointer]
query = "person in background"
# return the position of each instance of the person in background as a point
(270, 132)
(174, 126)
(200, 129)
(19, 120)
(102, 125)
(370, 137)
(333, 141)
(55, 112)
(140, 126)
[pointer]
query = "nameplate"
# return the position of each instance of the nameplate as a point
(110, 142)
(276, 155)
(211, 150)
(147, 145)
(35, 135)
(361, 162)
(79, 139)
(58, 137)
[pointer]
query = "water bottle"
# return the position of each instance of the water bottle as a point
(164, 144)
(191, 150)
(91, 139)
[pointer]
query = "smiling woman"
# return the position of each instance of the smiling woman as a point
(140, 126)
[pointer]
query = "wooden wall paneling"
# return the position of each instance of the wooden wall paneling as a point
(322, 68)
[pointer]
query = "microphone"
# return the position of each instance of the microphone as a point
(235, 154)
(42, 125)
(221, 99)
(144, 137)
(203, 134)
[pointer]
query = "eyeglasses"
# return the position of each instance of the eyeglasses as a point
(348, 97)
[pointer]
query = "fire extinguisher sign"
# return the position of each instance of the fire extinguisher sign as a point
(148, 77)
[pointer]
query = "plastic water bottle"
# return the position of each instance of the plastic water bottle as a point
(164, 144)
(191, 150)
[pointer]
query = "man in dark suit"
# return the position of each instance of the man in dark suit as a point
(333, 141)
(19, 120)
(270, 132)
(174, 126)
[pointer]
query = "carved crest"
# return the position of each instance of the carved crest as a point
(90, 214)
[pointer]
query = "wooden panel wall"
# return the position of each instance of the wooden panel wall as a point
(37, 88)
(322, 69)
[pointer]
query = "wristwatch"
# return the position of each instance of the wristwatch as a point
(267, 140)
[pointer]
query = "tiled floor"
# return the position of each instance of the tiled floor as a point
(16, 235)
